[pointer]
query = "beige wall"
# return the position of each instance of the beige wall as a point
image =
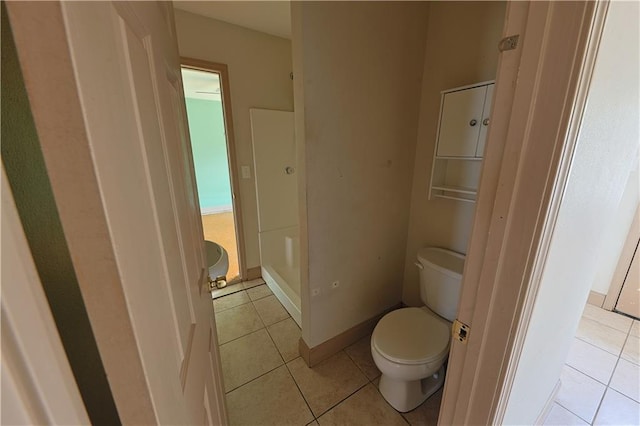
(259, 66)
(461, 49)
(606, 155)
(358, 69)
(618, 228)
(613, 122)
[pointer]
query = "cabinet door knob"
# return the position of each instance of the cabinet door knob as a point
(485, 121)
(473, 122)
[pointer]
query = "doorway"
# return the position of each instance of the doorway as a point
(574, 364)
(210, 126)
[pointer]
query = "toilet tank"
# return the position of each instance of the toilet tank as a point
(440, 280)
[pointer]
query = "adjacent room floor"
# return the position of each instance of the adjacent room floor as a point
(600, 382)
(220, 228)
(267, 383)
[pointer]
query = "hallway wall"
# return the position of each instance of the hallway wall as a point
(358, 71)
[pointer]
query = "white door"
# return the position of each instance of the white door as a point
(460, 123)
(484, 124)
(128, 76)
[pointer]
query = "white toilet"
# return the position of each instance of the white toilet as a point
(410, 345)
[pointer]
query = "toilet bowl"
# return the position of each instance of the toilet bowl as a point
(410, 345)
(217, 259)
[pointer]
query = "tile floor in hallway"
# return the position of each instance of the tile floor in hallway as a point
(600, 382)
(267, 383)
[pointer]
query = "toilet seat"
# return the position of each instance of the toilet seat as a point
(411, 336)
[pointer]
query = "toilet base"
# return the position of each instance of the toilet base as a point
(406, 395)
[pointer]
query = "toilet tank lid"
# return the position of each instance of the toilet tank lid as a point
(444, 260)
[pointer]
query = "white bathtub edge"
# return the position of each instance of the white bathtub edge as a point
(271, 277)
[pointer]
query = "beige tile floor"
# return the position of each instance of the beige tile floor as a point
(600, 382)
(267, 383)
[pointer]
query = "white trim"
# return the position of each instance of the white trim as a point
(272, 278)
(216, 210)
(548, 405)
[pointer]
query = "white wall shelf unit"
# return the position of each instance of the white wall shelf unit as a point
(462, 132)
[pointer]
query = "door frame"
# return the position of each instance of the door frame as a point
(37, 392)
(622, 267)
(225, 89)
(540, 98)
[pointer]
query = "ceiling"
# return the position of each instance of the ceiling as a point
(201, 84)
(271, 17)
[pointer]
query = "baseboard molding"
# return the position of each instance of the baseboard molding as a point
(596, 299)
(253, 273)
(317, 354)
(548, 405)
(215, 210)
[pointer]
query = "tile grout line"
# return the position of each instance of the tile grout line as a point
(608, 326)
(259, 317)
(371, 381)
(611, 378)
(264, 327)
(588, 375)
(227, 294)
(600, 401)
(240, 288)
(282, 320)
(342, 400)
(252, 380)
(598, 347)
(355, 363)
(227, 309)
(624, 396)
(607, 385)
(286, 366)
(274, 342)
(587, 422)
(244, 335)
(241, 304)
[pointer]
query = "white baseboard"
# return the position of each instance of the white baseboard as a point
(596, 299)
(292, 306)
(215, 210)
(548, 405)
